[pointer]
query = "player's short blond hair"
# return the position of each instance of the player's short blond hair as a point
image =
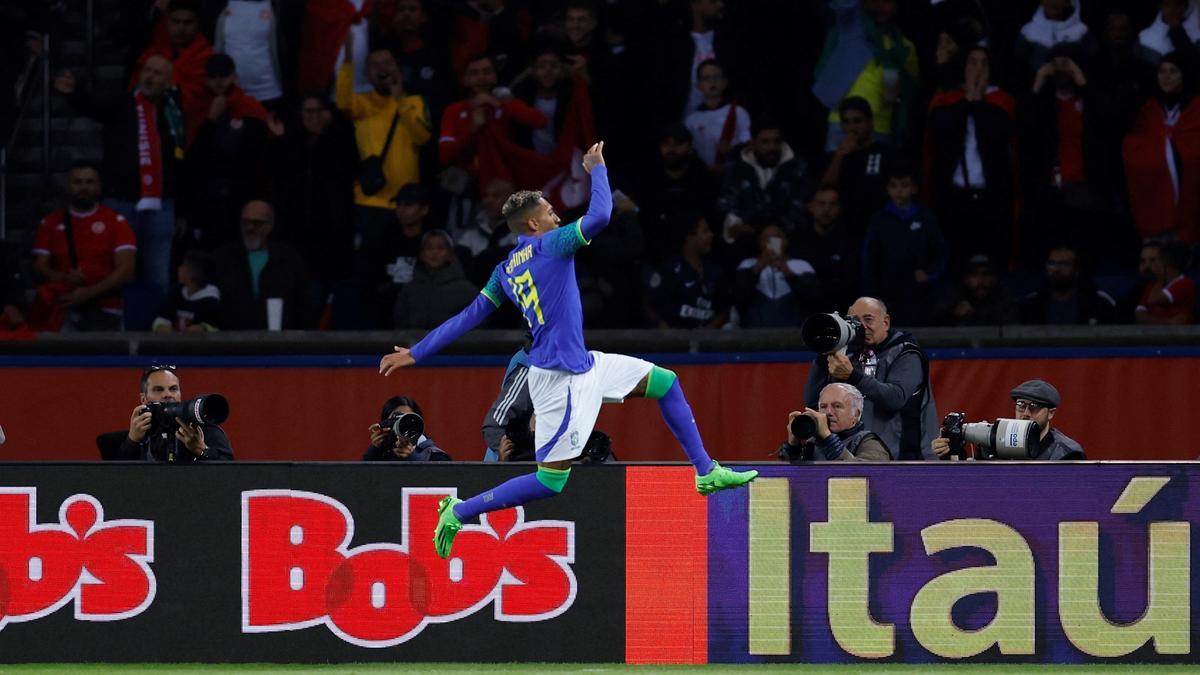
(519, 207)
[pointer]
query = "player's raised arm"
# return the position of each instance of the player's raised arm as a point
(600, 208)
(453, 328)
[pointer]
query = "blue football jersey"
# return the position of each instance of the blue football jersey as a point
(539, 278)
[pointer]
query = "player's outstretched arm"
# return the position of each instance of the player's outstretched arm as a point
(439, 338)
(600, 208)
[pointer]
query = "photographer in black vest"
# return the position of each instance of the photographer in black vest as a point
(892, 372)
(835, 431)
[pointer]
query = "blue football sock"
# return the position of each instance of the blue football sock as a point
(678, 414)
(520, 490)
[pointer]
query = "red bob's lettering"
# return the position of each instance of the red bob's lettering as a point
(103, 566)
(299, 570)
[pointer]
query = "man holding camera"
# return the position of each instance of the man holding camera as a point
(1035, 401)
(835, 432)
(892, 372)
(167, 440)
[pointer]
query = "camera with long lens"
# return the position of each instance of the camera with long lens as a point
(408, 426)
(202, 410)
(1002, 439)
(830, 333)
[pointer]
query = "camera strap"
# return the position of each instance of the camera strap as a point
(69, 229)
(387, 143)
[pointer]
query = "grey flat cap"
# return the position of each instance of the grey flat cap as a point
(1038, 391)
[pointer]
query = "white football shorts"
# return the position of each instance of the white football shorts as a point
(566, 404)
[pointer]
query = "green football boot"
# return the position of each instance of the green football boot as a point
(448, 526)
(720, 478)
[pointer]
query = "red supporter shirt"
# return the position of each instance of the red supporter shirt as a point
(1070, 139)
(457, 144)
(1180, 292)
(99, 234)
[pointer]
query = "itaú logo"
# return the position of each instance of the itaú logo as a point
(103, 567)
(299, 570)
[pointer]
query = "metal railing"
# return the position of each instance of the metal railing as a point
(24, 97)
(38, 64)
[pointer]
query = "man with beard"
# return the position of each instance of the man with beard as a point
(892, 372)
(1066, 296)
(143, 146)
(1167, 296)
(84, 255)
(768, 185)
(979, 300)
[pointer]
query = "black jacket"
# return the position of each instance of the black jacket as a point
(167, 448)
(285, 276)
(426, 451)
(994, 128)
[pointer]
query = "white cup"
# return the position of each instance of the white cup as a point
(274, 313)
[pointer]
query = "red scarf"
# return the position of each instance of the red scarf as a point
(187, 66)
(559, 174)
(238, 104)
(326, 23)
(149, 148)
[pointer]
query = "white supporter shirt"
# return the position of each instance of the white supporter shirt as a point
(706, 127)
(246, 33)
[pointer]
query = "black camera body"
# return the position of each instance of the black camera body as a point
(598, 449)
(952, 430)
(408, 426)
(202, 410)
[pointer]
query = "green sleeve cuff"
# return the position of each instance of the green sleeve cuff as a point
(578, 227)
(488, 294)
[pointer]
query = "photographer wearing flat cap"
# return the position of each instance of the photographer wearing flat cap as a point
(1037, 401)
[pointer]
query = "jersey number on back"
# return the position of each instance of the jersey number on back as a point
(526, 291)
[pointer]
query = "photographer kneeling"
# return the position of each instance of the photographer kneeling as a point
(159, 432)
(835, 433)
(400, 435)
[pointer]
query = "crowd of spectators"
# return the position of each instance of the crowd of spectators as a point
(340, 164)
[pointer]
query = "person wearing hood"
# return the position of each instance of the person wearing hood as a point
(767, 185)
(892, 372)
(439, 288)
(1162, 156)
(1054, 24)
(1176, 28)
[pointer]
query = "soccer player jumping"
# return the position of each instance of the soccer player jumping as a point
(566, 382)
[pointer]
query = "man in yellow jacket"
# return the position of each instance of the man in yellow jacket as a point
(372, 114)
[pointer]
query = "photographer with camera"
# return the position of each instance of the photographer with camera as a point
(400, 435)
(1034, 401)
(165, 428)
(887, 366)
(833, 433)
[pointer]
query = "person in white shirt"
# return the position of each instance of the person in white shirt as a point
(719, 126)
